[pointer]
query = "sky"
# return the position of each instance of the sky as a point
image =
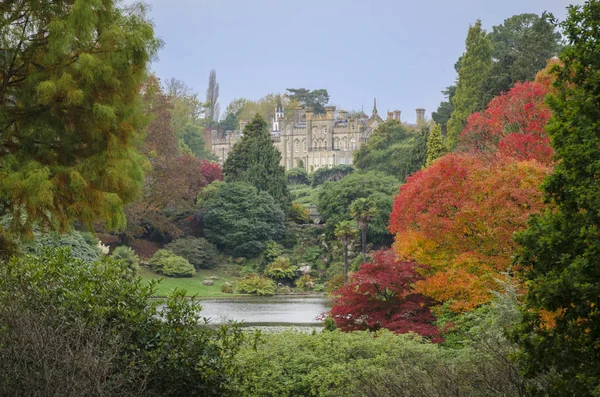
(400, 52)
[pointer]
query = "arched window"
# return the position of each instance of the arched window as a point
(336, 144)
(297, 145)
(345, 143)
(288, 146)
(352, 144)
(304, 144)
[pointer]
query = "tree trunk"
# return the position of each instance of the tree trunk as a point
(345, 263)
(364, 242)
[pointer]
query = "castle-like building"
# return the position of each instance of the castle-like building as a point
(313, 140)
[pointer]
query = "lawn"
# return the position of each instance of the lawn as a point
(193, 285)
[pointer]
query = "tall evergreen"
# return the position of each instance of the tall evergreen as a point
(254, 159)
(560, 258)
(473, 70)
(435, 145)
(70, 114)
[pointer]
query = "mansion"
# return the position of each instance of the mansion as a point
(315, 140)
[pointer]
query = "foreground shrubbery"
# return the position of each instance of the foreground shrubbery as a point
(71, 328)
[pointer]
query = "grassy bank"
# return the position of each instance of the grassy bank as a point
(193, 285)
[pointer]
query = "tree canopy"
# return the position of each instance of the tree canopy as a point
(255, 160)
(335, 198)
(394, 150)
(241, 219)
(474, 66)
(70, 114)
(315, 100)
(560, 251)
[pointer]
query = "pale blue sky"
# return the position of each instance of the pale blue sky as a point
(401, 52)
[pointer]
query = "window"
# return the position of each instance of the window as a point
(336, 144)
(297, 144)
(304, 144)
(345, 141)
(352, 144)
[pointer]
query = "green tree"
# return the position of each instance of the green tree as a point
(70, 115)
(335, 198)
(315, 100)
(364, 211)
(522, 46)
(345, 231)
(255, 160)
(435, 145)
(560, 333)
(394, 150)
(444, 111)
(212, 99)
(474, 68)
(240, 219)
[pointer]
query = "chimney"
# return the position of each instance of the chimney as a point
(396, 115)
(420, 116)
(330, 112)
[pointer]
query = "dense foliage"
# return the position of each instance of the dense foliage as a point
(560, 252)
(71, 69)
(199, 252)
(474, 66)
(255, 160)
(458, 217)
(80, 246)
(71, 328)
(255, 284)
(334, 174)
(334, 201)
(167, 263)
(128, 258)
(394, 150)
(381, 295)
(240, 219)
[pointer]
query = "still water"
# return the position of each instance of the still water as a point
(267, 311)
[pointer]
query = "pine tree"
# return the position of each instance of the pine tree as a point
(254, 159)
(70, 114)
(473, 71)
(560, 258)
(435, 145)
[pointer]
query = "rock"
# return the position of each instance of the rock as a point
(213, 278)
(309, 285)
(208, 282)
(304, 269)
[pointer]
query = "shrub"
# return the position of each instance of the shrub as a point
(305, 283)
(167, 263)
(82, 245)
(281, 269)
(227, 288)
(255, 284)
(128, 257)
(98, 333)
(198, 251)
(272, 251)
(299, 214)
(297, 176)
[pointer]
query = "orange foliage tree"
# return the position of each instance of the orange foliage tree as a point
(459, 215)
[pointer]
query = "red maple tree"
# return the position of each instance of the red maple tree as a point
(380, 295)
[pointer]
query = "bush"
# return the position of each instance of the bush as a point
(255, 284)
(98, 333)
(227, 288)
(128, 257)
(299, 214)
(82, 246)
(167, 263)
(297, 176)
(198, 251)
(281, 269)
(305, 283)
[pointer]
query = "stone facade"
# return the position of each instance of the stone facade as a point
(318, 141)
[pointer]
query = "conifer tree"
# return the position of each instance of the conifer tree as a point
(70, 114)
(475, 65)
(560, 332)
(255, 160)
(435, 145)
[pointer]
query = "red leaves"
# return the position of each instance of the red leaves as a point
(211, 171)
(380, 295)
(512, 116)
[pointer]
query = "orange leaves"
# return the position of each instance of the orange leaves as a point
(458, 217)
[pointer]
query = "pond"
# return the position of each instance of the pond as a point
(274, 311)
